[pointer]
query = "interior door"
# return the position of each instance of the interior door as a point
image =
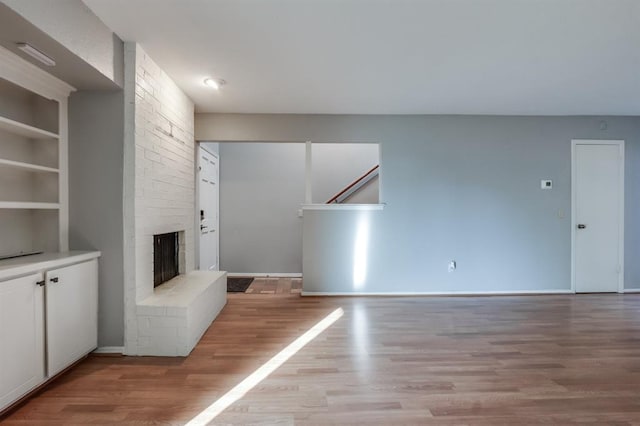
(208, 203)
(598, 189)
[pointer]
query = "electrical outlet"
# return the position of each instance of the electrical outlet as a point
(452, 266)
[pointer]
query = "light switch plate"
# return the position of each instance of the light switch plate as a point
(546, 184)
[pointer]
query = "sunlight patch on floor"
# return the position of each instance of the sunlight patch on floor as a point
(241, 389)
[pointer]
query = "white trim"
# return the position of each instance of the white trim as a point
(308, 175)
(440, 293)
(196, 211)
(109, 350)
(63, 175)
(380, 180)
(631, 290)
(265, 275)
(29, 76)
(620, 144)
(344, 206)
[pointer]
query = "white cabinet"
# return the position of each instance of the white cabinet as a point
(48, 318)
(72, 314)
(21, 337)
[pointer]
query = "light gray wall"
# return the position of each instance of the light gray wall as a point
(464, 188)
(261, 190)
(95, 198)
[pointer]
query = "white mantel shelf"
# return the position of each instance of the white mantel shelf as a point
(20, 266)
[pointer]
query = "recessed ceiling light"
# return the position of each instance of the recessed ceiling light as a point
(214, 84)
(36, 54)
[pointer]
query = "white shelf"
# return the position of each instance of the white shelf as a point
(27, 166)
(28, 205)
(22, 129)
(344, 206)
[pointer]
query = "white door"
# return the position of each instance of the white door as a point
(72, 314)
(21, 337)
(598, 197)
(208, 209)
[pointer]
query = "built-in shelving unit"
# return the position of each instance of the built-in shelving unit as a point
(33, 158)
(50, 297)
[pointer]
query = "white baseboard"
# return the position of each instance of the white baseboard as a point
(440, 293)
(631, 290)
(265, 275)
(110, 350)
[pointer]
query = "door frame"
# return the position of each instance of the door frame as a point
(196, 228)
(574, 222)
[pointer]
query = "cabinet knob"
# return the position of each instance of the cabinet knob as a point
(40, 283)
(54, 279)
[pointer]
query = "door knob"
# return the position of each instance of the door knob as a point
(581, 226)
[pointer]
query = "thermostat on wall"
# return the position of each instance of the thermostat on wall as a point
(546, 184)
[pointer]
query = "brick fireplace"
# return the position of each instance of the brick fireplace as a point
(159, 191)
(159, 186)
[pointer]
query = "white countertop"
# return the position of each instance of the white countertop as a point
(20, 266)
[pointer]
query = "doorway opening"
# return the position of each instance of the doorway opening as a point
(261, 193)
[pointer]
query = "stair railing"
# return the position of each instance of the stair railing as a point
(354, 186)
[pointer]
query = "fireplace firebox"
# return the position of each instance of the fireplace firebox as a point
(166, 254)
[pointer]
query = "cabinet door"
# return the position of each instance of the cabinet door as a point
(72, 314)
(21, 337)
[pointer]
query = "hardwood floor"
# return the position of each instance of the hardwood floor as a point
(509, 360)
(275, 286)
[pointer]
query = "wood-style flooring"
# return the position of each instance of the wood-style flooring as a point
(275, 285)
(509, 360)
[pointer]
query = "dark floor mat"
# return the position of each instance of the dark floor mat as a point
(238, 285)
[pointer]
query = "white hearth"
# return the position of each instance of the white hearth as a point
(174, 318)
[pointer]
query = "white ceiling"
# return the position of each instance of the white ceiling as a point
(551, 57)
